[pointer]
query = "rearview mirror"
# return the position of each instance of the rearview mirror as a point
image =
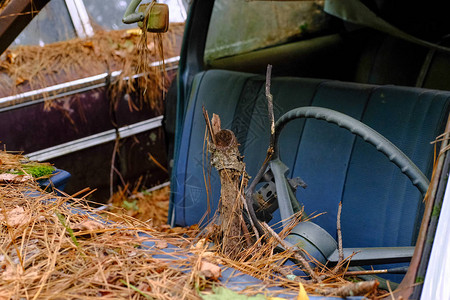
(158, 16)
(158, 20)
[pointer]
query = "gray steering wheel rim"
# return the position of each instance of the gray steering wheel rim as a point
(382, 144)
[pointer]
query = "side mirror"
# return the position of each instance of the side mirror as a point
(158, 20)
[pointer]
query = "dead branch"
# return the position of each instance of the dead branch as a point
(269, 98)
(351, 289)
(113, 162)
(208, 125)
(366, 272)
(250, 219)
(270, 149)
(215, 123)
(288, 247)
(339, 234)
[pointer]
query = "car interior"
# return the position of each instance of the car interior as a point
(383, 79)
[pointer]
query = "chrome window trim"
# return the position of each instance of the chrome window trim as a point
(84, 17)
(76, 20)
(95, 140)
(80, 18)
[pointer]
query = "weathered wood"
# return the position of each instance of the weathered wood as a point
(350, 289)
(225, 157)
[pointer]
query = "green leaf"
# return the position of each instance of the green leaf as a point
(130, 205)
(134, 288)
(420, 279)
(69, 230)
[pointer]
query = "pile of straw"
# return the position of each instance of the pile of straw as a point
(51, 249)
(151, 207)
(58, 247)
(10, 161)
(34, 67)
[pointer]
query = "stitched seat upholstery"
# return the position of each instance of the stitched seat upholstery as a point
(380, 205)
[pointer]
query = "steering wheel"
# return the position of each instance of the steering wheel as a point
(311, 233)
(368, 134)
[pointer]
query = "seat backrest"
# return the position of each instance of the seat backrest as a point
(388, 60)
(380, 205)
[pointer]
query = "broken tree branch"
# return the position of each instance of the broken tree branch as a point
(250, 218)
(208, 125)
(288, 247)
(269, 98)
(351, 289)
(270, 149)
(339, 234)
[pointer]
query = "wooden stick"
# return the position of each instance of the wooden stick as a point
(208, 125)
(339, 265)
(250, 218)
(351, 289)
(366, 272)
(288, 247)
(111, 173)
(251, 189)
(269, 98)
(339, 234)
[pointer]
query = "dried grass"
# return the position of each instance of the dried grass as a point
(151, 207)
(3, 4)
(35, 67)
(57, 247)
(41, 258)
(10, 161)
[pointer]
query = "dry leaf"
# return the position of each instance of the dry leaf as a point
(20, 80)
(120, 53)
(208, 254)
(151, 45)
(11, 57)
(10, 273)
(302, 293)
(200, 245)
(161, 244)
(177, 230)
(88, 225)
(16, 217)
(210, 271)
(88, 44)
(14, 178)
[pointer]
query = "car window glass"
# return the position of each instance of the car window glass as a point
(239, 26)
(51, 25)
(109, 15)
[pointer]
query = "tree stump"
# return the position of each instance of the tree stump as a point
(225, 157)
